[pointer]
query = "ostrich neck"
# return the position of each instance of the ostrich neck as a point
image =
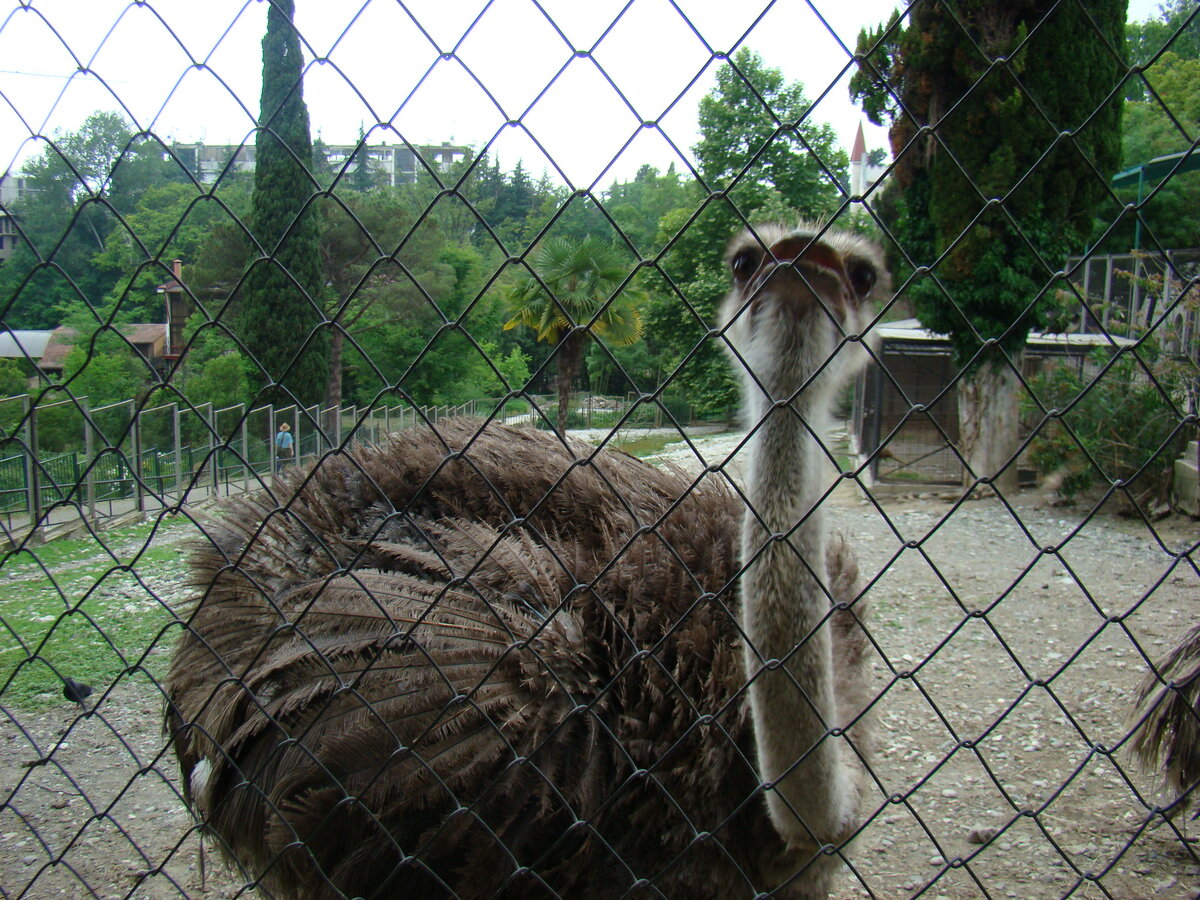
(784, 606)
(783, 477)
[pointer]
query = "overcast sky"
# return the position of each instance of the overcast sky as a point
(190, 71)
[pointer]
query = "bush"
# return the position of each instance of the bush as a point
(1121, 424)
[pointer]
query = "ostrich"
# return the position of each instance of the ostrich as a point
(484, 662)
(1169, 733)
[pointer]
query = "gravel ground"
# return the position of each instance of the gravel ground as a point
(1010, 642)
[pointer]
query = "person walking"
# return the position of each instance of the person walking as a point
(284, 442)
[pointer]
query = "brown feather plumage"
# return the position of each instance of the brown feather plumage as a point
(1168, 736)
(479, 662)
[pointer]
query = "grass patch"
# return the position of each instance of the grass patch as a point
(643, 445)
(89, 609)
(901, 475)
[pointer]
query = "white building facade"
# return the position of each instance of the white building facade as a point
(391, 164)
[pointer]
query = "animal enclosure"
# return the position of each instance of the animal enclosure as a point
(432, 647)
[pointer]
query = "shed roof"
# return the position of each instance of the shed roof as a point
(23, 344)
(911, 330)
(1159, 167)
(62, 340)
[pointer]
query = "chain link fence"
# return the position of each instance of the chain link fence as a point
(427, 646)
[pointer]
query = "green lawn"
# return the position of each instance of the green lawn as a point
(97, 611)
(642, 446)
(92, 611)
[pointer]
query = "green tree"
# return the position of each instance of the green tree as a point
(171, 221)
(281, 314)
(1176, 29)
(364, 175)
(1166, 122)
(481, 374)
(14, 382)
(770, 161)
(638, 206)
(1007, 123)
(215, 272)
(323, 170)
(576, 294)
(14, 377)
(81, 185)
(756, 141)
(212, 370)
(377, 270)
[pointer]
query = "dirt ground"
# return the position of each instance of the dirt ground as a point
(1010, 639)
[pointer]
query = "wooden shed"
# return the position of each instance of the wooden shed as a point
(906, 403)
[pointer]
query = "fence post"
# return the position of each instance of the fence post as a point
(33, 484)
(1108, 284)
(178, 454)
(272, 459)
(138, 470)
(1136, 313)
(245, 451)
(1085, 314)
(214, 452)
(89, 461)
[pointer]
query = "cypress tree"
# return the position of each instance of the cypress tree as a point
(1006, 130)
(282, 295)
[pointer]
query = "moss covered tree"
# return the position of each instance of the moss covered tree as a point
(1005, 126)
(282, 297)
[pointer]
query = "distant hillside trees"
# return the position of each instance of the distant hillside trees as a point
(82, 183)
(356, 292)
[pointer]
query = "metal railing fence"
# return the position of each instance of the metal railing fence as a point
(100, 480)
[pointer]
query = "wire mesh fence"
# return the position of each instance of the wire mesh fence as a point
(429, 558)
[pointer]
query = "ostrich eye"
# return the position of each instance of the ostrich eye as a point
(862, 278)
(744, 263)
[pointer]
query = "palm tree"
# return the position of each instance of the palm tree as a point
(575, 294)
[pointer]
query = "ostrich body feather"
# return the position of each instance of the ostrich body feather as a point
(476, 662)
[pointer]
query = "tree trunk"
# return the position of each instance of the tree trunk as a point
(988, 415)
(333, 385)
(570, 352)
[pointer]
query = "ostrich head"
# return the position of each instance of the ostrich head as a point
(800, 301)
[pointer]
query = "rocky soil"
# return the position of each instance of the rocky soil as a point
(1010, 640)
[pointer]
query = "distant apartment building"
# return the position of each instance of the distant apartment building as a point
(12, 189)
(392, 164)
